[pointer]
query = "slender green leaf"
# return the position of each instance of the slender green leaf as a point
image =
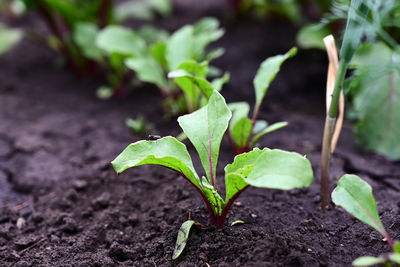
(355, 196)
(205, 129)
(148, 70)
(217, 83)
(237, 222)
(367, 261)
(205, 32)
(213, 197)
(121, 40)
(182, 238)
(239, 170)
(85, 35)
(158, 52)
(278, 169)
(167, 152)
(267, 73)
(241, 132)
(269, 129)
(8, 38)
(239, 110)
(259, 126)
(180, 47)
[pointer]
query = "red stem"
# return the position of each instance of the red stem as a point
(221, 219)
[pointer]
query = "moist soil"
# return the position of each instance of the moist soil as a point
(63, 205)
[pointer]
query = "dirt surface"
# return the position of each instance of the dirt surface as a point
(63, 205)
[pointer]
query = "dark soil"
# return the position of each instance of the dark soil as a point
(63, 205)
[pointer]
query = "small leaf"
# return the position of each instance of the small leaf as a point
(367, 261)
(241, 132)
(8, 37)
(278, 169)
(267, 72)
(85, 37)
(395, 257)
(179, 47)
(158, 51)
(311, 36)
(205, 129)
(148, 70)
(355, 196)
(259, 126)
(217, 83)
(239, 110)
(269, 129)
(213, 197)
(167, 152)
(396, 246)
(121, 40)
(237, 222)
(181, 240)
(205, 32)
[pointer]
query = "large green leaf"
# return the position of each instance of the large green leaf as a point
(239, 170)
(8, 38)
(121, 40)
(182, 238)
(278, 169)
(180, 47)
(85, 35)
(377, 99)
(355, 196)
(167, 152)
(267, 73)
(148, 70)
(205, 129)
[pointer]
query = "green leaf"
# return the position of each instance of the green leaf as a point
(377, 100)
(395, 257)
(278, 169)
(148, 70)
(158, 51)
(205, 32)
(237, 222)
(269, 129)
(152, 35)
(241, 132)
(217, 83)
(181, 240)
(259, 126)
(205, 129)
(367, 261)
(180, 47)
(8, 37)
(121, 40)
(311, 36)
(213, 197)
(355, 196)
(239, 110)
(238, 171)
(167, 152)
(267, 72)
(396, 246)
(85, 35)
(194, 68)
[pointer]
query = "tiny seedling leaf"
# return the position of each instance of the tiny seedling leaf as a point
(120, 40)
(205, 129)
(167, 152)
(269, 129)
(237, 222)
(85, 34)
(367, 261)
(183, 236)
(267, 72)
(355, 196)
(278, 169)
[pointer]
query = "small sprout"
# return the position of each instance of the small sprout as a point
(104, 92)
(355, 196)
(140, 126)
(183, 236)
(237, 222)
(205, 128)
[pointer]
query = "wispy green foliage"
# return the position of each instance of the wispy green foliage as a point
(142, 9)
(244, 132)
(205, 128)
(355, 196)
(8, 37)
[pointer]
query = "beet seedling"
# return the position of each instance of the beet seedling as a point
(205, 128)
(244, 132)
(355, 196)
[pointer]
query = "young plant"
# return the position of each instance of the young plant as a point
(9, 38)
(205, 128)
(355, 196)
(244, 132)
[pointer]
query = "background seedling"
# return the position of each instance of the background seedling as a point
(205, 128)
(244, 132)
(9, 38)
(355, 196)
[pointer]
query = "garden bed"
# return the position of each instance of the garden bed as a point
(57, 139)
